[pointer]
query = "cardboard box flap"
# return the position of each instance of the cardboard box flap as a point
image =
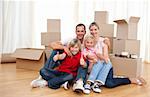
(28, 53)
(122, 21)
(134, 19)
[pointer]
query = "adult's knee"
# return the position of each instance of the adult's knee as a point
(52, 85)
(109, 84)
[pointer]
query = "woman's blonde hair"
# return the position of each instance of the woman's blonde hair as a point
(73, 42)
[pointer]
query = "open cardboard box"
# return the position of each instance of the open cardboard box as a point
(127, 29)
(29, 58)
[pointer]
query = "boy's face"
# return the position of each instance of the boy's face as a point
(89, 43)
(94, 31)
(74, 50)
(80, 32)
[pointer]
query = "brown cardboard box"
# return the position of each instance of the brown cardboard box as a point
(53, 25)
(7, 58)
(127, 67)
(106, 30)
(131, 46)
(48, 37)
(29, 58)
(101, 17)
(127, 29)
(48, 51)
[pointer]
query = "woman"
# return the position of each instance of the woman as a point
(112, 82)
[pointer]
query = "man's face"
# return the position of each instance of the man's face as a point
(80, 32)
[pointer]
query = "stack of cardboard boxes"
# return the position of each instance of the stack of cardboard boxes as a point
(34, 58)
(106, 30)
(126, 41)
(53, 34)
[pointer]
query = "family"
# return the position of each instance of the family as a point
(82, 62)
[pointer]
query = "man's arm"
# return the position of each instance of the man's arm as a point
(60, 46)
(57, 45)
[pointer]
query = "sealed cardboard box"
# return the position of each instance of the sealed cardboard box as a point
(129, 45)
(48, 37)
(48, 51)
(101, 17)
(106, 30)
(126, 66)
(127, 29)
(53, 25)
(7, 58)
(29, 58)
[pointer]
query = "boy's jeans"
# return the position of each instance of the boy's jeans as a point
(100, 72)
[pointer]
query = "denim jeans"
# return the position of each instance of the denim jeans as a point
(55, 78)
(112, 82)
(82, 72)
(100, 72)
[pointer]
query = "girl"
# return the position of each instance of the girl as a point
(89, 50)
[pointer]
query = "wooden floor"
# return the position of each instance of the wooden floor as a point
(16, 83)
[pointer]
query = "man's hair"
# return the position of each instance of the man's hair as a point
(81, 25)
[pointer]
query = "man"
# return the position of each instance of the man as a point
(59, 46)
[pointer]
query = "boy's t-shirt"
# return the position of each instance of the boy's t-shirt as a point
(70, 64)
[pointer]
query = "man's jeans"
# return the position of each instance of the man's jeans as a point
(55, 78)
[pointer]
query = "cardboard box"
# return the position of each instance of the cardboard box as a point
(131, 46)
(127, 29)
(101, 17)
(7, 58)
(126, 66)
(48, 37)
(29, 58)
(53, 25)
(106, 30)
(48, 51)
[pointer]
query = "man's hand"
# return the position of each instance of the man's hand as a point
(67, 51)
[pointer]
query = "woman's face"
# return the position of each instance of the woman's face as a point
(75, 49)
(94, 31)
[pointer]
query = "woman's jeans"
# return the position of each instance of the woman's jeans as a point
(100, 72)
(112, 82)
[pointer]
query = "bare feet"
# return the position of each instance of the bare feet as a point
(138, 81)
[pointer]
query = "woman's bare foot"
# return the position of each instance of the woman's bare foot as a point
(138, 81)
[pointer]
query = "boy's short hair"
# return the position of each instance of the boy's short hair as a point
(73, 42)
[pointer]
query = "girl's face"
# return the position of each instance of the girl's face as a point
(94, 31)
(89, 43)
(75, 49)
